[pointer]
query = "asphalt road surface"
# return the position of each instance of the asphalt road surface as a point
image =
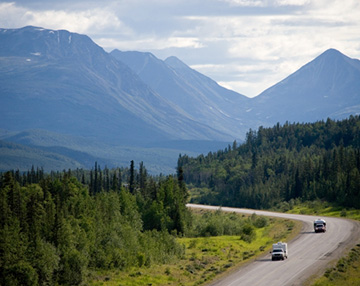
(309, 252)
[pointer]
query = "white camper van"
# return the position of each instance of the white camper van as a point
(279, 251)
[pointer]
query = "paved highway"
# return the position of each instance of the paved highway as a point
(309, 252)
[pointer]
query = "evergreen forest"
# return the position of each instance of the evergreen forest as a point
(55, 227)
(280, 165)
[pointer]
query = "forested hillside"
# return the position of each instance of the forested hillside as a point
(55, 228)
(292, 161)
(71, 227)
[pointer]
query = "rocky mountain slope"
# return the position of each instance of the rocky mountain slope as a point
(199, 96)
(64, 82)
(58, 85)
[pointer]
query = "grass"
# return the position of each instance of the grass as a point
(325, 209)
(345, 273)
(205, 258)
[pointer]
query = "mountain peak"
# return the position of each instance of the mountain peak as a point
(175, 63)
(26, 28)
(31, 41)
(327, 86)
(330, 55)
(332, 51)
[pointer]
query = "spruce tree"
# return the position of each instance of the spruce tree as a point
(132, 177)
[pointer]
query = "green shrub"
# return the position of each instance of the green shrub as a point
(248, 233)
(21, 273)
(261, 222)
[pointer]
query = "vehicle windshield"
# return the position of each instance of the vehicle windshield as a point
(277, 250)
(319, 225)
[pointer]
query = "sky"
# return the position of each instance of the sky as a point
(244, 45)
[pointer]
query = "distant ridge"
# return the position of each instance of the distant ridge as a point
(19, 157)
(197, 95)
(132, 104)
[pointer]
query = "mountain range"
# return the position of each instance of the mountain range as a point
(201, 97)
(63, 94)
(64, 82)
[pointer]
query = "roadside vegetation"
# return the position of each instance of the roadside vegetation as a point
(345, 273)
(318, 207)
(217, 243)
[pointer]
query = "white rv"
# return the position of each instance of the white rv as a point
(279, 251)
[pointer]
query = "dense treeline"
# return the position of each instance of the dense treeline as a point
(55, 228)
(97, 179)
(292, 161)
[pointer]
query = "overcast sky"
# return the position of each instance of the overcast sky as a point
(245, 45)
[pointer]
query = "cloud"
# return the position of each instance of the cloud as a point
(246, 3)
(267, 3)
(292, 2)
(281, 42)
(89, 20)
(147, 44)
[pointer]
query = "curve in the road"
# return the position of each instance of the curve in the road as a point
(309, 252)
